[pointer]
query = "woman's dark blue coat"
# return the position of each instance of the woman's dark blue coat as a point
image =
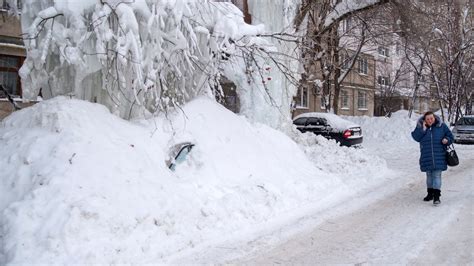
(432, 150)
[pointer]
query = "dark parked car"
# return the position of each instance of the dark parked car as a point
(463, 130)
(330, 126)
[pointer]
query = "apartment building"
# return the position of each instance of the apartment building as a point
(396, 80)
(12, 55)
(357, 92)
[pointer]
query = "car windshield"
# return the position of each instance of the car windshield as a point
(183, 152)
(316, 121)
(466, 121)
(300, 121)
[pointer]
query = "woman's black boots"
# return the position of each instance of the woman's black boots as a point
(436, 195)
(430, 195)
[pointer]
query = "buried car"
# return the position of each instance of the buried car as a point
(178, 154)
(463, 130)
(330, 126)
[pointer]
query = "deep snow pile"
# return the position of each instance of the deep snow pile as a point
(356, 167)
(386, 130)
(79, 185)
(389, 136)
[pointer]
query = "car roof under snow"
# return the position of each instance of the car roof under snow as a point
(335, 121)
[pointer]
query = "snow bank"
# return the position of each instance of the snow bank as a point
(357, 168)
(388, 135)
(79, 185)
(384, 130)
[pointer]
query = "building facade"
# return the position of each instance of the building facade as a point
(12, 55)
(356, 97)
(396, 80)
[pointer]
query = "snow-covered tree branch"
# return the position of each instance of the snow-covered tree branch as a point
(143, 57)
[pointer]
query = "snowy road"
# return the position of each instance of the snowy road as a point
(386, 224)
(398, 227)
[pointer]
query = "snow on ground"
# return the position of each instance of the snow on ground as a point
(79, 185)
(394, 129)
(390, 139)
(385, 224)
(394, 227)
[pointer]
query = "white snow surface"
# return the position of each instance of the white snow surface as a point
(80, 185)
(382, 225)
(396, 129)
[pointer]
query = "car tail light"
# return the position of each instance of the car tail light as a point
(347, 134)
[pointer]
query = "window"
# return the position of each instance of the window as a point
(421, 78)
(383, 81)
(316, 121)
(416, 107)
(6, 5)
(300, 121)
(347, 24)
(363, 66)
(383, 51)
(178, 154)
(344, 61)
(425, 106)
(465, 121)
(302, 98)
(9, 78)
(227, 95)
(362, 100)
(344, 99)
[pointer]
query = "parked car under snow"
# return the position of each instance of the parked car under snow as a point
(463, 130)
(178, 154)
(330, 126)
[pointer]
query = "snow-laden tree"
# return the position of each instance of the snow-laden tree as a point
(440, 36)
(144, 56)
(451, 60)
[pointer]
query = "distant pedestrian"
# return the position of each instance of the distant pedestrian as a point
(434, 137)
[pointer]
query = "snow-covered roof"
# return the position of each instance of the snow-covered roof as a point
(346, 6)
(335, 121)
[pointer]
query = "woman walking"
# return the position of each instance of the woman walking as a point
(434, 136)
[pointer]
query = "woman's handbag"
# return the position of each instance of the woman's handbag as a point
(451, 156)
